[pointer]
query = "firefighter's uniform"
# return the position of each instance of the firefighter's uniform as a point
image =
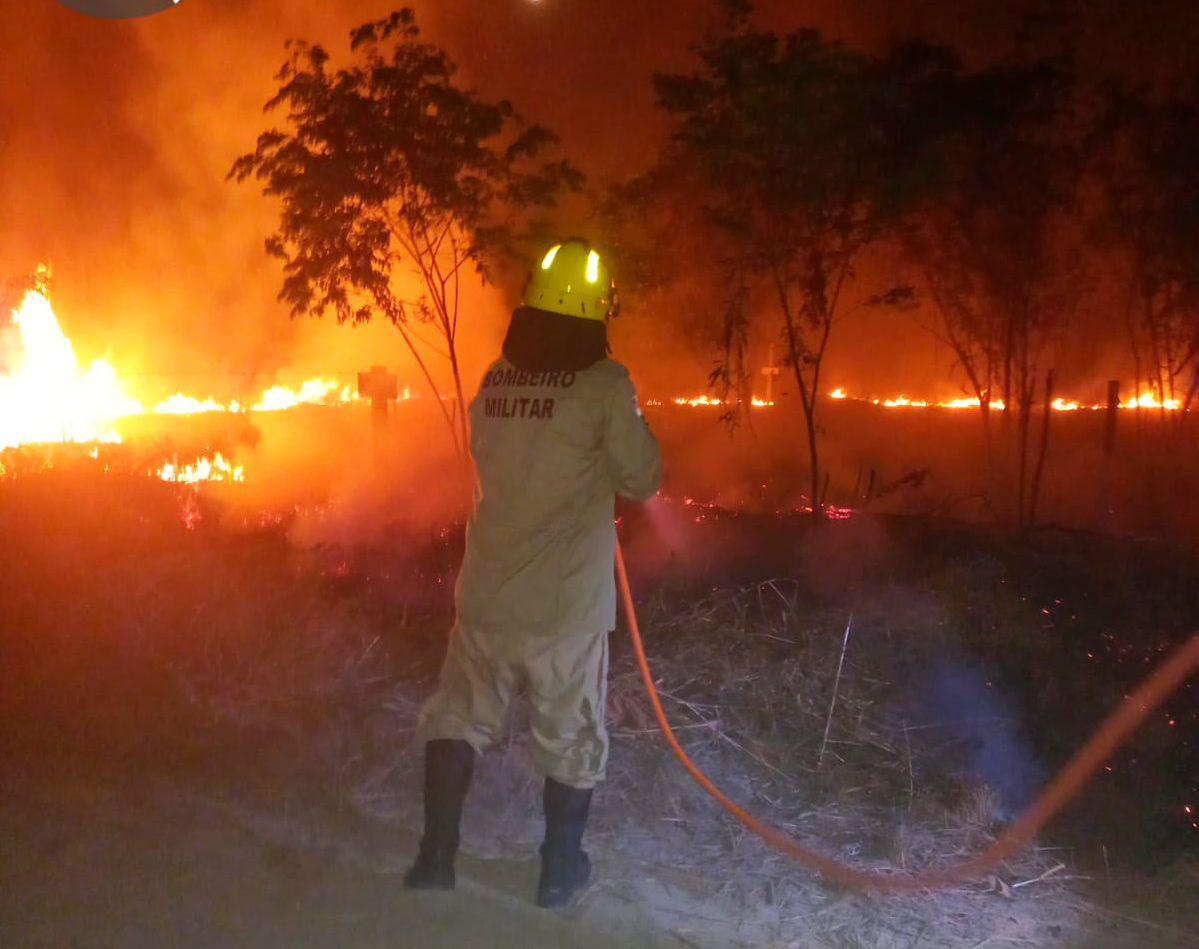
(536, 597)
(556, 434)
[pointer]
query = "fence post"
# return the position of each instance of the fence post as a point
(380, 387)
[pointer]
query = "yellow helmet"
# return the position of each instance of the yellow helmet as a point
(572, 279)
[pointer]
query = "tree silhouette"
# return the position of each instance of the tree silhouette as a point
(387, 167)
(1151, 214)
(998, 245)
(806, 152)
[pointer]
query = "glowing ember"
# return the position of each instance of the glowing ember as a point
(216, 468)
(44, 395)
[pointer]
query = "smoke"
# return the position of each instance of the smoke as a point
(329, 473)
(962, 699)
(115, 137)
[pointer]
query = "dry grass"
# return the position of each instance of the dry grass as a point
(746, 677)
(245, 630)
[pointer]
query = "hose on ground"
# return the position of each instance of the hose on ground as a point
(1111, 734)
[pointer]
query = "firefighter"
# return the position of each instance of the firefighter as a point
(556, 434)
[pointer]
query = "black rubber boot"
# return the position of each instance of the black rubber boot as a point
(565, 868)
(448, 767)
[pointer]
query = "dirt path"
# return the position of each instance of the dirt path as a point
(93, 860)
(243, 848)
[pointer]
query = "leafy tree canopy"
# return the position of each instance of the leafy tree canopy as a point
(387, 165)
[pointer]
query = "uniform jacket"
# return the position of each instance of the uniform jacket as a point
(551, 451)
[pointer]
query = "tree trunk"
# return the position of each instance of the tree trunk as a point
(1024, 395)
(1039, 470)
(396, 316)
(796, 351)
(461, 419)
(1113, 411)
(1008, 343)
(1133, 344)
(1191, 393)
(809, 411)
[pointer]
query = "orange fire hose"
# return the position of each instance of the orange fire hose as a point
(1114, 731)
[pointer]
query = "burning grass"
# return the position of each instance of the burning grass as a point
(120, 618)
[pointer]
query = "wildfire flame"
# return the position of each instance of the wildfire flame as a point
(275, 399)
(1145, 401)
(216, 468)
(311, 392)
(1148, 401)
(698, 401)
(180, 404)
(44, 394)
